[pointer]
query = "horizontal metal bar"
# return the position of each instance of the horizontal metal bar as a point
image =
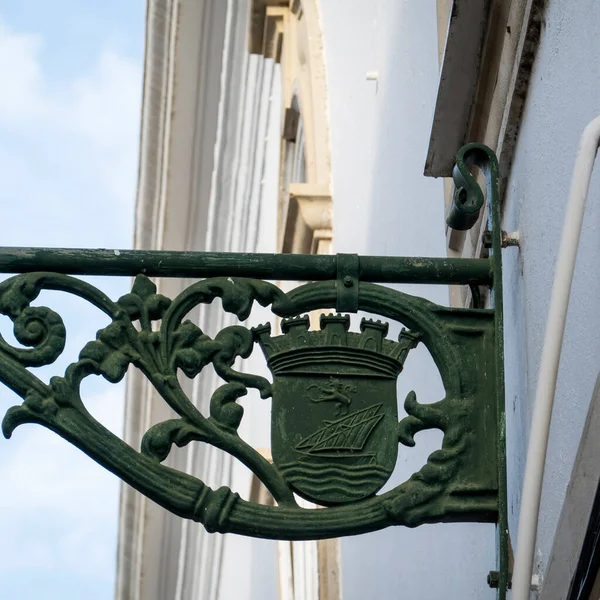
(197, 265)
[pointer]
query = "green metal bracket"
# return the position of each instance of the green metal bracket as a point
(334, 419)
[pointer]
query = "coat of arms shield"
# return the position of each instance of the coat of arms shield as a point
(334, 416)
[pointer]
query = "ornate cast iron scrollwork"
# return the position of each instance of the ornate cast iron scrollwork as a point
(334, 418)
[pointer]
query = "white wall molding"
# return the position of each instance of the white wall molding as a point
(181, 94)
(291, 35)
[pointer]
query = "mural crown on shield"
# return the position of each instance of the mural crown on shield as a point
(334, 416)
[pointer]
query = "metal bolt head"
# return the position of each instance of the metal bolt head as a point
(348, 281)
(493, 579)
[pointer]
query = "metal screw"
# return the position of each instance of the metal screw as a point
(508, 239)
(348, 281)
(493, 579)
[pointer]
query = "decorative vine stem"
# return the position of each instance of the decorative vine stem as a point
(227, 439)
(457, 483)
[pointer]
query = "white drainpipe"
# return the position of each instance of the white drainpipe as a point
(546, 386)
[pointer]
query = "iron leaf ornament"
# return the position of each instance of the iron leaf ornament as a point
(335, 431)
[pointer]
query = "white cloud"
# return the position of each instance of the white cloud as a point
(105, 101)
(68, 147)
(21, 73)
(68, 165)
(62, 506)
(102, 106)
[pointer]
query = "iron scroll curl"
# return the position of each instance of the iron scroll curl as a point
(458, 483)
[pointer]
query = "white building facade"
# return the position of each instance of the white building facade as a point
(305, 126)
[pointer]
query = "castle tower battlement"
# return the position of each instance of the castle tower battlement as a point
(334, 349)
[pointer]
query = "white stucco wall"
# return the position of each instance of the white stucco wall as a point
(563, 97)
(384, 205)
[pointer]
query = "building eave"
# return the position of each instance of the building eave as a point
(458, 84)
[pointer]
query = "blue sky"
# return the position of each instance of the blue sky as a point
(71, 74)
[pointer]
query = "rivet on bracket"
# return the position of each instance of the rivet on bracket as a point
(348, 271)
(493, 580)
(512, 238)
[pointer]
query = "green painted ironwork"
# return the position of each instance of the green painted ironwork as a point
(334, 419)
(467, 199)
(277, 267)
